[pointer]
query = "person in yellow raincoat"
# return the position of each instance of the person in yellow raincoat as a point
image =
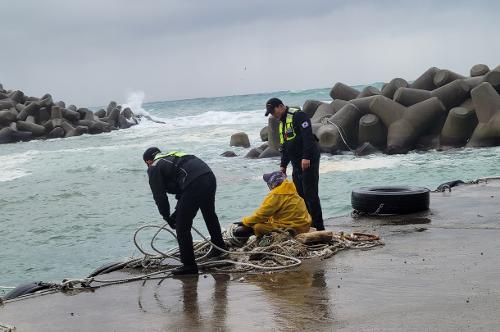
(282, 208)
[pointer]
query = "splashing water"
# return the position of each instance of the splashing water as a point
(134, 101)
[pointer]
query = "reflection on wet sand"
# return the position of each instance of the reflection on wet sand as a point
(301, 298)
(185, 308)
(219, 313)
(296, 299)
(190, 307)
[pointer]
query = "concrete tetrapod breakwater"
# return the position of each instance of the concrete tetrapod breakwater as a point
(441, 109)
(23, 118)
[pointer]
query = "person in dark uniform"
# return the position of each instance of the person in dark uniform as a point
(193, 183)
(299, 147)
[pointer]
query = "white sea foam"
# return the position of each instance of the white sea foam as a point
(210, 118)
(135, 102)
(13, 166)
(328, 166)
(213, 118)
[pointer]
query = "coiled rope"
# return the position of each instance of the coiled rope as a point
(276, 251)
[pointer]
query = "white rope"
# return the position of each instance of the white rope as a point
(340, 132)
(295, 261)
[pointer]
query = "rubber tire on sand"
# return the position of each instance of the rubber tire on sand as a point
(396, 199)
(24, 289)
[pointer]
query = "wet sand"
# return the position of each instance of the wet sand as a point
(438, 271)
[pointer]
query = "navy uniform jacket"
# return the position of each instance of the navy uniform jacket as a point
(173, 175)
(304, 145)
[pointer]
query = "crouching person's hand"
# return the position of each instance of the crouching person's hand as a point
(170, 220)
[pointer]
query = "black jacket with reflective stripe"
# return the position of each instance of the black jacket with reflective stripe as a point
(304, 145)
(173, 175)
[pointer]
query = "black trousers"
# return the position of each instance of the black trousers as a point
(199, 195)
(306, 183)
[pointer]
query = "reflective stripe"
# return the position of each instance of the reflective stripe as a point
(289, 133)
(177, 154)
(170, 154)
(159, 156)
(176, 162)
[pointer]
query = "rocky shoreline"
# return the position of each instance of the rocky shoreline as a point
(24, 118)
(439, 110)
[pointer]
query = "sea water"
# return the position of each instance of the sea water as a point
(70, 205)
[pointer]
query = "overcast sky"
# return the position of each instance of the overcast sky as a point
(91, 51)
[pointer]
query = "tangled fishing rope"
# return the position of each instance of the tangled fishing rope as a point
(275, 251)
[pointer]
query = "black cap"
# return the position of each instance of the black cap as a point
(271, 104)
(150, 153)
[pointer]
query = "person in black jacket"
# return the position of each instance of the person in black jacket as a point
(193, 183)
(299, 147)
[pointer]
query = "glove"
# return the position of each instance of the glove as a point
(171, 220)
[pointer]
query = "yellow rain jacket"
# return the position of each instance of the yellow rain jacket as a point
(282, 208)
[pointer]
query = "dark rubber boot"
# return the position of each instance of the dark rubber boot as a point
(216, 253)
(185, 270)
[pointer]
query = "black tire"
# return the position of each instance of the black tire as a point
(448, 185)
(395, 200)
(108, 268)
(25, 289)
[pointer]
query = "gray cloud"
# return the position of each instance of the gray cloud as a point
(89, 52)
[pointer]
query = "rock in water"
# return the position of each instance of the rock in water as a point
(111, 106)
(310, 107)
(100, 113)
(33, 128)
(269, 152)
(487, 104)
(70, 115)
(240, 139)
(254, 153)
(371, 130)
(323, 111)
(329, 138)
(228, 154)
(57, 132)
(458, 127)
(405, 125)
(273, 133)
(264, 134)
(127, 113)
